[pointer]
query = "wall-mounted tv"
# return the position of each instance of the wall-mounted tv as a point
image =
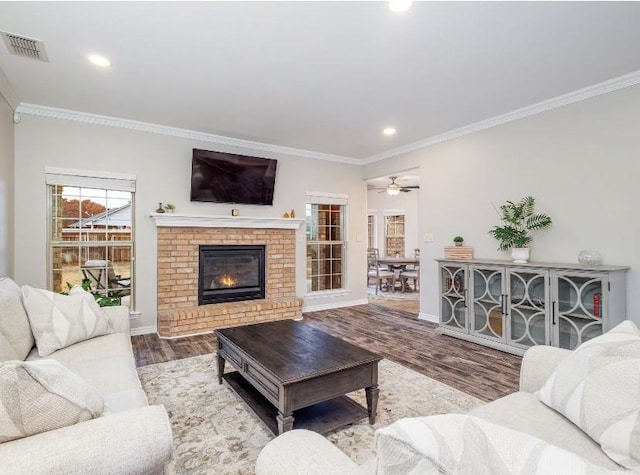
(229, 178)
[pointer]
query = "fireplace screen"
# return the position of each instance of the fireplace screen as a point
(230, 274)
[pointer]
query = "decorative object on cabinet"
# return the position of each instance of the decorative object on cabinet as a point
(519, 221)
(590, 258)
(286, 215)
(292, 214)
(458, 240)
(458, 252)
(169, 208)
(160, 208)
(512, 307)
(235, 212)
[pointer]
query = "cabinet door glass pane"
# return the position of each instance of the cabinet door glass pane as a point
(527, 308)
(453, 297)
(580, 309)
(487, 303)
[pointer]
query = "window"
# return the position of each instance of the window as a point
(326, 248)
(91, 235)
(394, 235)
(371, 231)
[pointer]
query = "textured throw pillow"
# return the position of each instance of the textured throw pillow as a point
(598, 389)
(58, 321)
(16, 339)
(455, 444)
(38, 396)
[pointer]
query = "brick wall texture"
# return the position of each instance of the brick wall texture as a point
(178, 311)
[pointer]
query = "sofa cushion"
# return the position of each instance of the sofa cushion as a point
(16, 339)
(58, 321)
(106, 362)
(598, 389)
(524, 412)
(463, 444)
(38, 396)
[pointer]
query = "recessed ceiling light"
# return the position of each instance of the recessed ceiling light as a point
(389, 131)
(99, 60)
(399, 6)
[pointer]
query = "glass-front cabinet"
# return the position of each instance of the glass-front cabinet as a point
(512, 307)
(487, 302)
(527, 306)
(453, 297)
(580, 307)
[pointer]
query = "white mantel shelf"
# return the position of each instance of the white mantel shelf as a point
(202, 221)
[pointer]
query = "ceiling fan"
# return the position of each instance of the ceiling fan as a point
(394, 189)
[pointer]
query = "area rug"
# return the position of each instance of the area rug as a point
(215, 432)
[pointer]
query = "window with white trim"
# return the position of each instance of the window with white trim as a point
(371, 231)
(326, 241)
(91, 233)
(394, 235)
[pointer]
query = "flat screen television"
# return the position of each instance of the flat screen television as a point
(229, 178)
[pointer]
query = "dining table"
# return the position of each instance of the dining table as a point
(399, 263)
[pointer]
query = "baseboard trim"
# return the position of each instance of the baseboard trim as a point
(429, 318)
(332, 305)
(143, 330)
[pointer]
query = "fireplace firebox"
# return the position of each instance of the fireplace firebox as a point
(231, 273)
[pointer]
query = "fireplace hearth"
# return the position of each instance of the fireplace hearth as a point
(231, 273)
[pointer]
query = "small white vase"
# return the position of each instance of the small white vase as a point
(520, 255)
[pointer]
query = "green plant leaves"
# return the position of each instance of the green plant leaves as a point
(519, 220)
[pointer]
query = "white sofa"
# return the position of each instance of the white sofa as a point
(305, 452)
(131, 438)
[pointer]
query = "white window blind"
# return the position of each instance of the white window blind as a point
(91, 179)
(320, 198)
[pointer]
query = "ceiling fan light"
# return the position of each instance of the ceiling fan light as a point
(393, 191)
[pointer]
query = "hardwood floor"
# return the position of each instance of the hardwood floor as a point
(395, 334)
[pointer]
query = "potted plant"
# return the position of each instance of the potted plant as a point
(519, 221)
(169, 208)
(458, 240)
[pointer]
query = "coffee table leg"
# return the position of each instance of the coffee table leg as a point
(220, 368)
(372, 402)
(285, 423)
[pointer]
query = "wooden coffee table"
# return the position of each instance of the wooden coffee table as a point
(295, 376)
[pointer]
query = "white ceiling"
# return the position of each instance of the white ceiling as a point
(318, 76)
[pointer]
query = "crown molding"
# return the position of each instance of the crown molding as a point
(571, 98)
(96, 119)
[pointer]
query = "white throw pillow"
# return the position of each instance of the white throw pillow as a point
(598, 389)
(38, 396)
(16, 339)
(456, 444)
(58, 321)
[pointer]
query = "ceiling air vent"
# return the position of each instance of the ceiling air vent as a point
(24, 46)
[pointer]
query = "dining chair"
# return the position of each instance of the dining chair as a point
(413, 273)
(375, 272)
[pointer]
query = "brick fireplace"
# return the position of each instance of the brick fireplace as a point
(179, 240)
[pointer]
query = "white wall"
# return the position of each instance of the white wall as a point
(163, 168)
(582, 164)
(381, 205)
(6, 189)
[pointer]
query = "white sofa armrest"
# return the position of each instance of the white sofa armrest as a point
(537, 365)
(119, 316)
(305, 452)
(130, 442)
